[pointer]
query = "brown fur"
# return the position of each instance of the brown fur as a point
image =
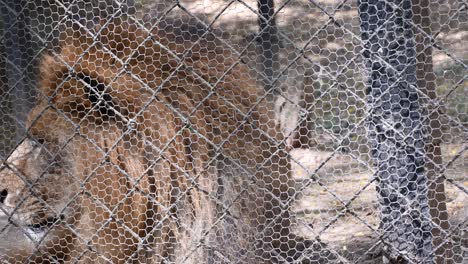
(141, 176)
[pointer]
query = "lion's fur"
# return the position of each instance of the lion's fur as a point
(145, 174)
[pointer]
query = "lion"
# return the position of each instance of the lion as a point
(148, 145)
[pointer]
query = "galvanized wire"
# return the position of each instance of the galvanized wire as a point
(379, 220)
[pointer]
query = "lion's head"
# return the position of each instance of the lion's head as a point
(68, 177)
(147, 146)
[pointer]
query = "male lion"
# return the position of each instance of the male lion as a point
(148, 146)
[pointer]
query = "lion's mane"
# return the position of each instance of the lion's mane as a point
(166, 151)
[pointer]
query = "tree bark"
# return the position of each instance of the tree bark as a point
(19, 51)
(396, 129)
(8, 127)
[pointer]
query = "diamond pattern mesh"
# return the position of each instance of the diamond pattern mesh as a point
(306, 131)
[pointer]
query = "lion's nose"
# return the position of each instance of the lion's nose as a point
(3, 195)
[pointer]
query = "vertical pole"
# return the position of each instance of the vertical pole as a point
(426, 82)
(396, 129)
(7, 127)
(269, 42)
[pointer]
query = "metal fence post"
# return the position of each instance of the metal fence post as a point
(268, 41)
(427, 84)
(396, 129)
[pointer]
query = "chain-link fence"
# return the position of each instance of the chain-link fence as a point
(233, 131)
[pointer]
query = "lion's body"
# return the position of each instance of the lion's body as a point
(158, 158)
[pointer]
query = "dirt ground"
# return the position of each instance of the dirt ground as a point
(353, 234)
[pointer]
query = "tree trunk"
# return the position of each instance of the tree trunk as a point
(8, 127)
(19, 52)
(396, 131)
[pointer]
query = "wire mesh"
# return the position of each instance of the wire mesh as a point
(233, 131)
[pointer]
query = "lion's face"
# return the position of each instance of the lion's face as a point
(37, 181)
